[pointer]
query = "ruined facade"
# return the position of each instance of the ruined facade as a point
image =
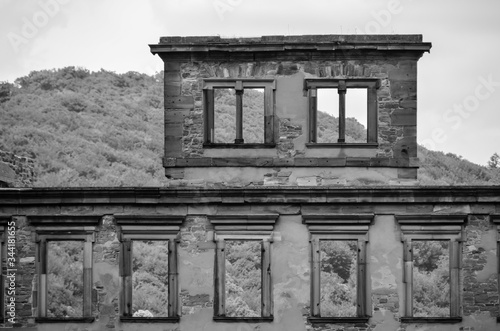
(16, 171)
(288, 194)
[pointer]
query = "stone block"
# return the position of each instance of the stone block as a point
(408, 103)
(307, 181)
(175, 116)
(306, 162)
(407, 73)
(172, 66)
(180, 102)
(172, 76)
(174, 173)
(403, 89)
(194, 162)
(357, 162)
(172, 89)
(331, 162)
(404, 117)
(407, 173)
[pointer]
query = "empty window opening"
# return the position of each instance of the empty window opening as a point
(224, 115)
(328, 115)
(338, 279)
(64, 279)
(243, 278)
(253, 115)
(431, 278)
(356, 115)
(150, 278)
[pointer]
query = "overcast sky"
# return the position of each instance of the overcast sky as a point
(459, 81)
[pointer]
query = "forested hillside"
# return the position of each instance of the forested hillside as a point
(86, 129)
(105, 129)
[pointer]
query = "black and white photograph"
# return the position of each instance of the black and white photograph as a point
(243, 165)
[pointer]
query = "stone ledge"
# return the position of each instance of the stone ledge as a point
(387, 38)
(339, 320)
(149, 319)
(171, 162)
(443, 320)
(485, 195)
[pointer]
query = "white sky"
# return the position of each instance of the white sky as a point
(114, 35)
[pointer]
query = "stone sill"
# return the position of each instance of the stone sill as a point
(342, 145)
(127, 319)
(243, 319)
(171, 162)
(338, 320)
(442, 320)
(64, 320)
(208, 145)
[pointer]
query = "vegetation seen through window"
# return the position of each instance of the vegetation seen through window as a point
(328, 115)
(338, 278)
(431, 278)
(65, 279)
(243, 278)
(225, 115)
(150, 278)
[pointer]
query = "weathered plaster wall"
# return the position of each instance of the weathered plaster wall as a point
(286, 176)
(397, 102)
(290, 264)
(396, 96)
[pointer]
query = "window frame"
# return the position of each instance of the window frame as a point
(251, 228)
(339, 227)
(63, 228)
(239, 85)
(311, 85)
(495, 218)
(151, 227)
(448, 227)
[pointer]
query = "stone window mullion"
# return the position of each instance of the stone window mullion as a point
(439, 227)
(339, 227)
(256, 228)
(134, 228)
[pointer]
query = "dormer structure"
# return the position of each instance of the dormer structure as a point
(371, 76)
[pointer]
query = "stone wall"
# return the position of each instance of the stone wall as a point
(188, 61)
(22, 166)
(290, 259)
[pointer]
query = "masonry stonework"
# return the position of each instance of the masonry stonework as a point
(285, 193)
(291, 264)
(22, 167)
(290, 60)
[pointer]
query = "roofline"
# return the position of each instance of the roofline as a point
(176, 44)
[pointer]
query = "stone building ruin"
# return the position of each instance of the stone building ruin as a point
(331, 234)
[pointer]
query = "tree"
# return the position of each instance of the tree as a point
(494, 162)
(338, 278)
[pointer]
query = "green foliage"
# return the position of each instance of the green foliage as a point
(86, 128)
(328, 129)
(243, 278)
(65, 279)
(431, 277)
(225, 115)
(150, 278)
(338, 278)
(437, 168)
(494, 161)
(105, 129)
